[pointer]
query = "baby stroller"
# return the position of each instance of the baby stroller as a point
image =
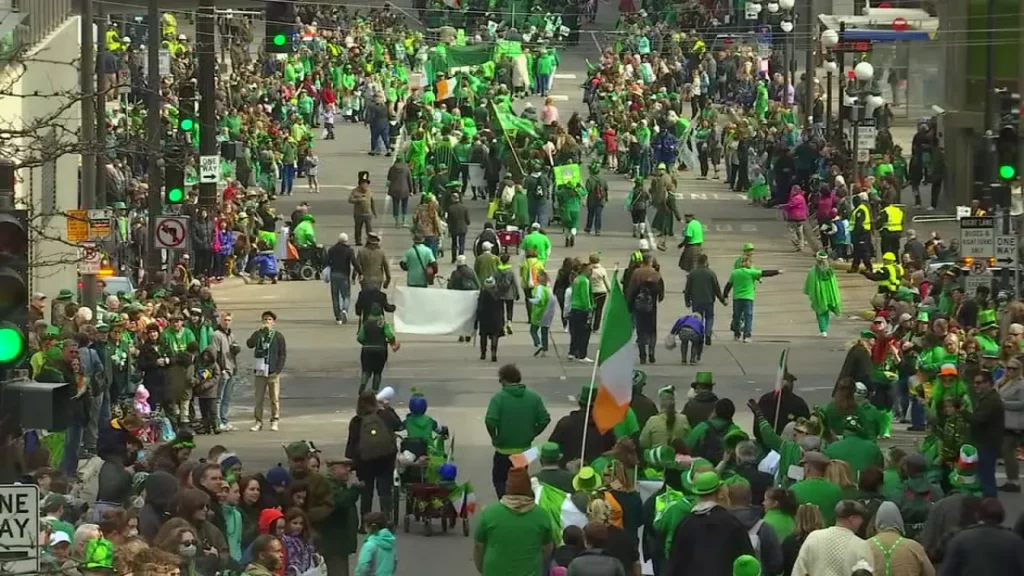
(419, 480)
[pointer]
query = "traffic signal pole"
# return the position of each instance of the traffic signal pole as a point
(153, 136)
(101, 108)
(205, 38)
(87, 70)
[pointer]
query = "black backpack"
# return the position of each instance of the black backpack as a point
(644, 301)
(712, 448)
(375, 438)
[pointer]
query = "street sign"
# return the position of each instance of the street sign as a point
(978, 237)
(751, 10)
(78, 226)
(973, 281)
(171, 232)
(1006, 250)
(866, 137)
(863, 154)
(19, 529)
(100, 227)
(209, 169)
(979, 267)
(124, 82)
(90, 259)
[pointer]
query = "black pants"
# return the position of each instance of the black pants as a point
(208, 409)
(362, 222)
(458, 244)
(890, 242)
(509, 307)
(484, 339)
(381, 477)
(499, 473)
(579, 333)
(861, 254)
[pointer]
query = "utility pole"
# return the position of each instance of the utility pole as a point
(809, 69)
(154, 103)
(205, 39)
(101, 107)
(990, 88)
(87, 73)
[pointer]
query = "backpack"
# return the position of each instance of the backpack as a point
(712, 448)
(504, 281)
(643, 302)
(755, 539)
(375, 438)
(915, 509)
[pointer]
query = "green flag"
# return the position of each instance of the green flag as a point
(513, 123)
(568, 174)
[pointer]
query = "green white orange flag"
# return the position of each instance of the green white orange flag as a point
(616, 358)
(463, 495)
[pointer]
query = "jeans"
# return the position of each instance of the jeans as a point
(341, 292)
(91, 432)
(579, 333)
(499, 472)
(381, 133)
(458, 245)
(383, 480)
(594, 218)
(987, 470)
(431, 242)
(538, 210)
(72, 442)
(224, 394)
(287, 179)
(742, 317)
(707, 312)
(543, 83)
(399, 208)
(540, 336)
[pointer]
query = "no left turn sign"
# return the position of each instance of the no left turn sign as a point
(172, 232)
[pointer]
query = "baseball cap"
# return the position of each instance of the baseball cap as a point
(38, 296)
(813, 457)
(58, 537)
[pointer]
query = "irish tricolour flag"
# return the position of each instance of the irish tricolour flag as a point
(615, 359)
(463, 495)
(559, 508)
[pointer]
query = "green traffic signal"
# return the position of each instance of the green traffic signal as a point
(186, 124)
(1007, 172)
(12, 344)
(280, 40)
(175, 195)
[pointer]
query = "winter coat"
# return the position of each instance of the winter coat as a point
(515, 416)
(1012, 394)
(986, 421)
(771, 548)
(568, 434)
(463, 278)
(400, 184)
(319, 498)
(203, 233)
(458, 219)
(505, 281)
(490, 313)
(699, 408)
(378, 556)
(338, 530)
(707, 542)
(277, 354)
(161, 491)
(595, 562)
(984, 549)
(795, 210)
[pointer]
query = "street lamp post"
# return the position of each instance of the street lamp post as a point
(829, 40)
(786, 25)
(865, 102)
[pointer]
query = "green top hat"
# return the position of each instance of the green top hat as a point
(922, 316)
(706, 483)
(987, 319)
(99, 555)
(703, 379)
(550, 452)
(586, 480)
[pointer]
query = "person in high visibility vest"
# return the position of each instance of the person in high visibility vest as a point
(860, 234)
(113, 40)
(890, 226)
(889, 276)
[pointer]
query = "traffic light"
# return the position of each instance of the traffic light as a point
(186, 106)
(174, 175)
(14, 279)
(280, 26)
(1008, 140)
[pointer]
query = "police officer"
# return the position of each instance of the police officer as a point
(889, 276)
(860, 234)
(890, 225)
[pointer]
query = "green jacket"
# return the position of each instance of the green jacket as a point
(582, 299)
(670, 508)
(858, 452)
(521, 211)
(789, 451)
(305, 236)
(820, 492)
(696, 436)
(340, 527)
(515, 416)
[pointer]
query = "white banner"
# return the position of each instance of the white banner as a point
(434, 311)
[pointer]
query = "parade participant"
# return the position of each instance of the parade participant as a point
(744, 280)
(855, 448)
(569, 200)
(512, 534)
(645, 291)
(668, 427)
(814, 489)
(822, 289)
(341, 526)
(597, 196)
(490, 318)
(692, 244)
(707, 439)
(515, 416)
(581, 306)
(538, 242)
(569, 431)
(701, 292)
(375, 336)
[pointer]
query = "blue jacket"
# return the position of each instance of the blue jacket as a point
(689, 321)
(378, 556)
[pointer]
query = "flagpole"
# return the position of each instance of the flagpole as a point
(507, 139)
(783, 368)
(590, 400)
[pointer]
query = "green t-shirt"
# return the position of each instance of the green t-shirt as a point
(513, 542)
(694, 232)
(820, 492)
(744, 283)
(417, 258)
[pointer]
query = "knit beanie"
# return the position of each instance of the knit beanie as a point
(966, 465)
(279, 476)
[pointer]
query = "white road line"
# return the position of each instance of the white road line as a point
(596, 43)
(565, 76)
(559, 97)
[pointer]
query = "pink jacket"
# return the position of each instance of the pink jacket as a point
(826, 202)
(796, 209)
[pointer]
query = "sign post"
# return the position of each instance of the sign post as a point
(171, 233)
(19, 529)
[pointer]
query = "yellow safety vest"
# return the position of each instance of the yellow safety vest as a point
(867, 215)
(894, 219)
(113, 41)
(893, 277)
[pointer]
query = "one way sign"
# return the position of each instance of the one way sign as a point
(1006, 250)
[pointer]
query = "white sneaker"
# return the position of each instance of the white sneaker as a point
(824, 334)
(273, 427)
(256, 427)
(340, 322)
(586, 360)
(747, 340)
(931, 209)
(227, 428)
(570, 358)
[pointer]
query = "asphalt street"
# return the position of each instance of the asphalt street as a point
(320, 382)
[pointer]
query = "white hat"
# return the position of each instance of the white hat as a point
(387, 393)
(861, 389)
(58, 537)
(905, 317)
(343, 238)
(535, 226)
(460, 259)
(487, 246)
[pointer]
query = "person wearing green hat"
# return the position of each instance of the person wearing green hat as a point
(743, 282)
(855, 447)
(702, 403)
(320, 494)
(551, 471)
(748, 252)
(822, 289)
(59, 304)
(99, 557)
(568, 432)
(643, 407)
(746, 565)
(569, 197)
(586, 480)
(638, 202)
(538, 241)
(707, 439)
(597, 196)
(710, 538)
(988, 339)
(538, 192)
